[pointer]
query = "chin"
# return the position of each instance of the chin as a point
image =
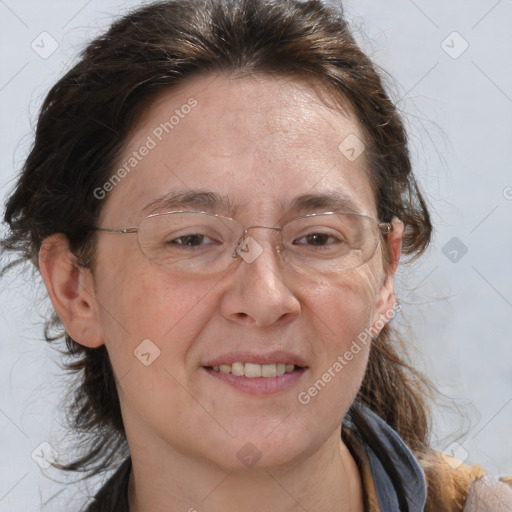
(261, 452)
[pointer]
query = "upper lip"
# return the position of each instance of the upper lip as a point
(277, 356)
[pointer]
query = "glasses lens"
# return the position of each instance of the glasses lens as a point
(202, 243)
(190, 242)
(330, 242)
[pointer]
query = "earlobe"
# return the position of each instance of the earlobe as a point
(70, 290)
(386, 302)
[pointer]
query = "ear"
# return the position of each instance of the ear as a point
(386, 306)
(71, 291)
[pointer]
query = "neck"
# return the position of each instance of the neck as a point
(327, 480)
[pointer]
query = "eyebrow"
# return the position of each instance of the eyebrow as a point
(212, 202)
(332, 201)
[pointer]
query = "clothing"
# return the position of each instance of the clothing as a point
(380, 489)
(380, 493)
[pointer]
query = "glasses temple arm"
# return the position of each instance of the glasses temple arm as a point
(117, 231)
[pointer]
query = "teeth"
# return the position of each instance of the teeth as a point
(255, 370)
(237, 369)
(269, 370)
(252, 370)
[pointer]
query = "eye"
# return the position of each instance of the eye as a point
(193, 240)
(319, 239)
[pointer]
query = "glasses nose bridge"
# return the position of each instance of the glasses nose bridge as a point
(257, 226)
(276, 229)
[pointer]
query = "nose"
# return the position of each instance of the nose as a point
(259, 293)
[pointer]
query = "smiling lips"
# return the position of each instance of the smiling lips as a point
(251, 365)
(252, 370)
(258, 373)
(256, 379)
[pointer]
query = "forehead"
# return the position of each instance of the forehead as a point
(259, 142)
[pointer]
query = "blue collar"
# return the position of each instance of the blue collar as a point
(404, 463)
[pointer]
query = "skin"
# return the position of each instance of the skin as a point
(262, 141)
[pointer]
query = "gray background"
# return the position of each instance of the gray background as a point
(457, 102)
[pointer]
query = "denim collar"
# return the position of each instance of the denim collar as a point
(381, 494)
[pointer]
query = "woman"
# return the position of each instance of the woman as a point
(217, 200)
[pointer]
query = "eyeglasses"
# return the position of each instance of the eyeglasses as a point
(204, 243)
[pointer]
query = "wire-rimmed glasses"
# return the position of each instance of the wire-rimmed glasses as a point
(205, 243)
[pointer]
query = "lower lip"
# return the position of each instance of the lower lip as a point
(259, 385)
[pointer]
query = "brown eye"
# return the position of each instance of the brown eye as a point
(317, 240)
(189, 240)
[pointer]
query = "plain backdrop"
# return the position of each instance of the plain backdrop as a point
(450, 74)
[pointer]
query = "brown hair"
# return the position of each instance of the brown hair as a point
(87, 116)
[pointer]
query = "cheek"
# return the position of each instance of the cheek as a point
(342, 309)
(342, 314)
(148, 311)
(150, 329)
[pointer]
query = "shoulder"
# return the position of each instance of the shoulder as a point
(434, 479)
(455, 487)
(489, 494)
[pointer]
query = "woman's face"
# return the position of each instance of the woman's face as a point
(262, 144)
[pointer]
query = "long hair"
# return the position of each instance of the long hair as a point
(89, 113)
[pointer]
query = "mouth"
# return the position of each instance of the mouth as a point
(254, 370)
(257, 374)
